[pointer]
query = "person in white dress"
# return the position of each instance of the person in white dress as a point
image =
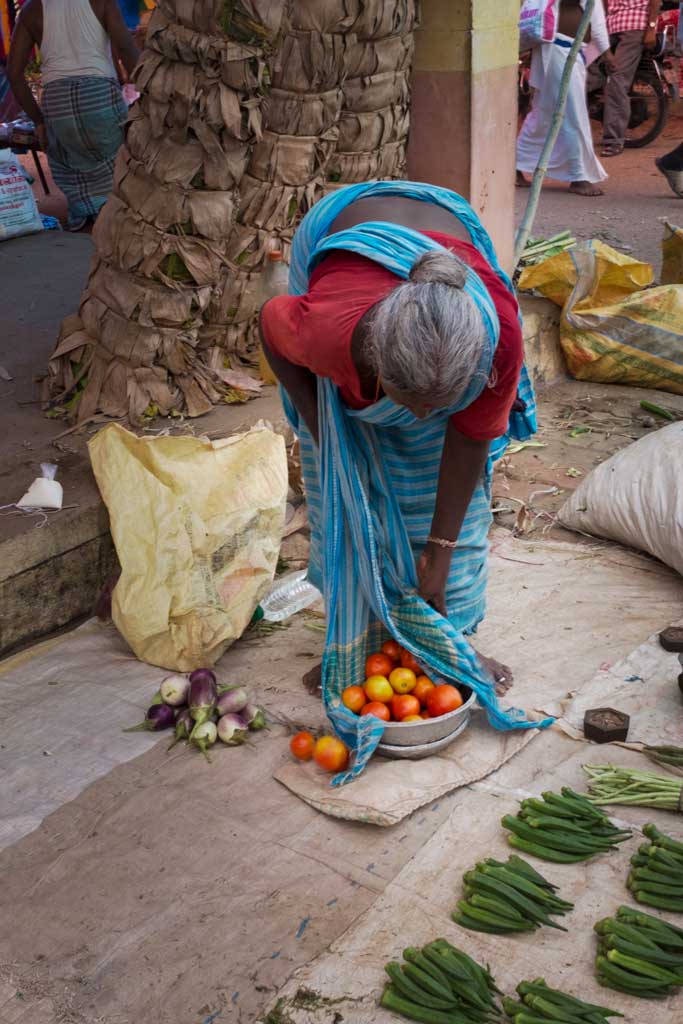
(573, 158)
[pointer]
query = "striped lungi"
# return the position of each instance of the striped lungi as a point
(84, 117)
(371, 489)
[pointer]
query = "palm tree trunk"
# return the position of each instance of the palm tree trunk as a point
(246, 107)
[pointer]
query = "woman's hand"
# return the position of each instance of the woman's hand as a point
(433, 568)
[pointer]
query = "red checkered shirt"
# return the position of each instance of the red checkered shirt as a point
(627, 16)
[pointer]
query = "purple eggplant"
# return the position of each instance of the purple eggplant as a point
(254, 717)
(231, 702)
(232, 730)
(202, 695)
(158, 717)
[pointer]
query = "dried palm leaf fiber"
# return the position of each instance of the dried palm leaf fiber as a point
(286, 171)
(374, 120)
(141, 343)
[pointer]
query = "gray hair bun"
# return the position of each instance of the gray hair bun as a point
(439, 267)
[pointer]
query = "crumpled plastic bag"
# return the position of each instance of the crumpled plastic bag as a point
(197, 526)
(613, 329)
(672, 252)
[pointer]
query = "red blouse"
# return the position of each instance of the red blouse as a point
(314, 330)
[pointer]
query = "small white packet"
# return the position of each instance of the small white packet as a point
(45, 491)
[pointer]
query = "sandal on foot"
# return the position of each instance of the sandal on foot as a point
(612, 149)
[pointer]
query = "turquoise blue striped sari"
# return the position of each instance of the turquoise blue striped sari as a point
(371, 489)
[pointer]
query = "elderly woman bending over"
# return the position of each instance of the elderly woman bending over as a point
(419, 345)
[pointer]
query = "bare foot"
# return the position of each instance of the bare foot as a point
(313, 681)
(521, 182)
(585, 188)
(502, 675)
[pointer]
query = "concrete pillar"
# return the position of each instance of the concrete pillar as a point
(463, 119)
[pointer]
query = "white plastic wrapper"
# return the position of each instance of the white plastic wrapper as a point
(45, 491)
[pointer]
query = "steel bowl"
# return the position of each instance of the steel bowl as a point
(412, 735)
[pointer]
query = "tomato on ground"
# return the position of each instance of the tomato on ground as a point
(442, 699)
(331, 754)
(403, 680)
(408, 661)
(379, 710)
(423, 687)
(378, 665)
(392, 649)
(353, 698)
(403, 705)
(378, 688)
(302, 745)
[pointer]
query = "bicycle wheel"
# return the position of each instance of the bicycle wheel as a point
(649, 111)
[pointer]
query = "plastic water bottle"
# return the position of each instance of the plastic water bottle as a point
(289, 595)
(273, 280)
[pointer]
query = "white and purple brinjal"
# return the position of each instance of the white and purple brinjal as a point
(254, 717)
(231, 702)
(174, 690)
(204, 736)
(202, 695)
(232, 730)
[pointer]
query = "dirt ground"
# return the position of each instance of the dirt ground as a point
(628, 216)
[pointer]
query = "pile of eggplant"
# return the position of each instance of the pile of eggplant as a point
(201, 711)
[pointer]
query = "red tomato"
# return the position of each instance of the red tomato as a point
(378, 665)
(425, 715)
(403, 705)
(408, 661)
(392, 649)
(353, 698)
(377, 709)
(302, 746)
(423, 687)
(442, 699)
(331, 754)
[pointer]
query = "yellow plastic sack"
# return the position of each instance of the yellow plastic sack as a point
(612, 331)
(197, 526)
(672, 255)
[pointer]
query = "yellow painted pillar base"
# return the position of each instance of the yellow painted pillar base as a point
(463, 119)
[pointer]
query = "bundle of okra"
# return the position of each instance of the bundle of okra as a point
(440, 984)
(508, 897)
(540, 1003)
(657, 875)
(564, 828)
(639, 954)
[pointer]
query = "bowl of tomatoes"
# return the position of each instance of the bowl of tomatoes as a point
(419, 711)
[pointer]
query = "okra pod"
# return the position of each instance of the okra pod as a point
(574, 844)
(653, 956)
(494, 906)
(528, 888)
(423, 979)
(523, 903)
(392, 1000)
(409, 990)
(544, 852)
(519, 865)
(666, 842)
(644, 968)
(659, 901)
(634, 982)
